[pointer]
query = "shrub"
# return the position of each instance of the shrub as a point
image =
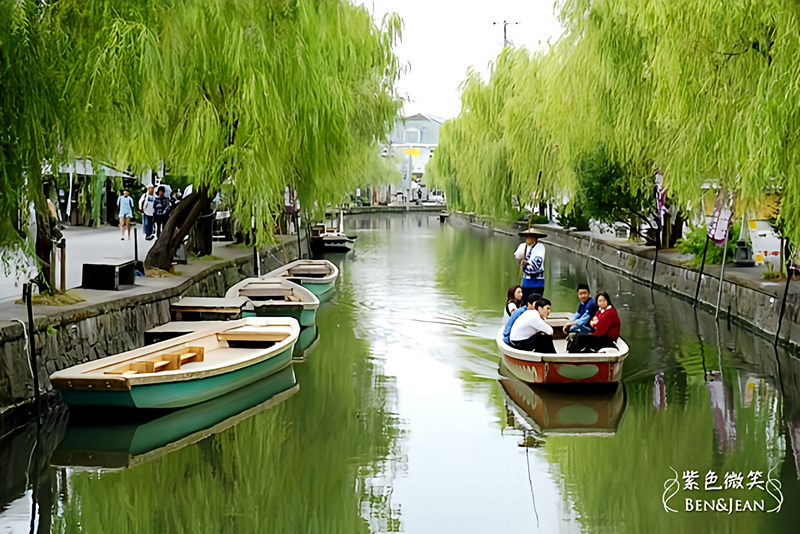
(696, 241)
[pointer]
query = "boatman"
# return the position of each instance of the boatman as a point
(530, 256)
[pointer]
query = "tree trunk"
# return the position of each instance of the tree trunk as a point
(201, 238)
(676, 230)
(44, 243)
(175, 230)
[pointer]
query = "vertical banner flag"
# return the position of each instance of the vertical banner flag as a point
(721, 220)
(661, 197)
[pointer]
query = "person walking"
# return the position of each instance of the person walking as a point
(530, 256)
(161, 209)
(146, 202)
(125, 205)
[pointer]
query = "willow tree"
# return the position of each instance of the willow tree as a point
(262, 94)
(31, 111)
(705, 91)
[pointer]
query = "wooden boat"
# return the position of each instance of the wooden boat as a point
(551, 412)
(564, 367)
(185, 370)
(318, 276)
(102, 438)
(305, 341)
(209, 308)
(278, 297)
(443, 215)
(325, 238)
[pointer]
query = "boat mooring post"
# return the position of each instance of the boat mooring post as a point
(297, 229)
(135, 246)
(700, 275)
(27, 291)
(721, 279)
(783, 302)
(256, 262)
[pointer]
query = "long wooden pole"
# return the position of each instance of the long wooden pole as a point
(721, 279)
(530, 220)
(783, 302)
(700, 275)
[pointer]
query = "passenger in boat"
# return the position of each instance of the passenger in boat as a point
(586, 310)
(513, 302)
(530, 331)
(530, 256)
(605, 328)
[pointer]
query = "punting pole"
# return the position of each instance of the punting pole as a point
(700, 275)
(721, 279)
(530, 219)
(783, 302)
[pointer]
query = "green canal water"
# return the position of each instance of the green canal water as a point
(399, 420)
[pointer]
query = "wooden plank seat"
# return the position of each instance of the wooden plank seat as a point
(167, 361)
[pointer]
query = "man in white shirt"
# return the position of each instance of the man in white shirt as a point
(146, 207)
(530, 256)
(530, 331)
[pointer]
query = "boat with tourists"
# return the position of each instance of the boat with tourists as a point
(185, 370)
(326, 238)
(553, 412)
(563, 367)
(278, 297)
(318, 276)
(105, 439)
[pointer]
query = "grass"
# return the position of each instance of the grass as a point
(67, 298)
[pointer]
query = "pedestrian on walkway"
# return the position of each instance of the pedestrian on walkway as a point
(161, 209)
(146, 202)
(125, 205)
(530, 256)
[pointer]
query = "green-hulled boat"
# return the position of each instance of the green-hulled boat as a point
(305, 341)
(278, 297)
(122, 439)
(318, 276)
(185, 370)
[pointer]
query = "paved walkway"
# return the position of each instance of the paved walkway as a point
(748, 276)
(88, 245)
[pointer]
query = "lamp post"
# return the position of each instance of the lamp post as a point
(505, 34)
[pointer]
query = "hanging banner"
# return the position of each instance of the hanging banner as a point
(720, 220)
(406, 172)
(661, 197)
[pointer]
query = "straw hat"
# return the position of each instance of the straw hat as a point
(532, 233)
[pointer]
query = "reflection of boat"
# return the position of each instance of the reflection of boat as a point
(325, 238)
(564, 367)
(305, 341)
(186, 370)
(120, 440)
(318, 276)
(278, 297)
(209, 308)
(553, 412)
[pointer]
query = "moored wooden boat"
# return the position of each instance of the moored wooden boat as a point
(330, 240)
(564, 367)
(305, 341)
(278, 297)
(209, 308)
(555, 412)
(185, 370)
(318, 276)
(110, 439)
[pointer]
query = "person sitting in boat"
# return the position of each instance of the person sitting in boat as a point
(530, 331)
(530, 256)
(513, 302)
(586, 310)
(605, 328)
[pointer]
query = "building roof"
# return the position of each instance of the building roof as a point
(423, 117)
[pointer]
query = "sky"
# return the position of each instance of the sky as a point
(442, 39)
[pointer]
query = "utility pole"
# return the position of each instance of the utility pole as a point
(505, 34)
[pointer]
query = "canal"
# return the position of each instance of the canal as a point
(400, 420)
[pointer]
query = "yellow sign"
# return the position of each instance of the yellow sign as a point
(413, 151)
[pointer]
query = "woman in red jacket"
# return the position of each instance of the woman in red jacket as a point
(605, 328)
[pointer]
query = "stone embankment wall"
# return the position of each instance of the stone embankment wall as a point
(744, 301)
(95, 331)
